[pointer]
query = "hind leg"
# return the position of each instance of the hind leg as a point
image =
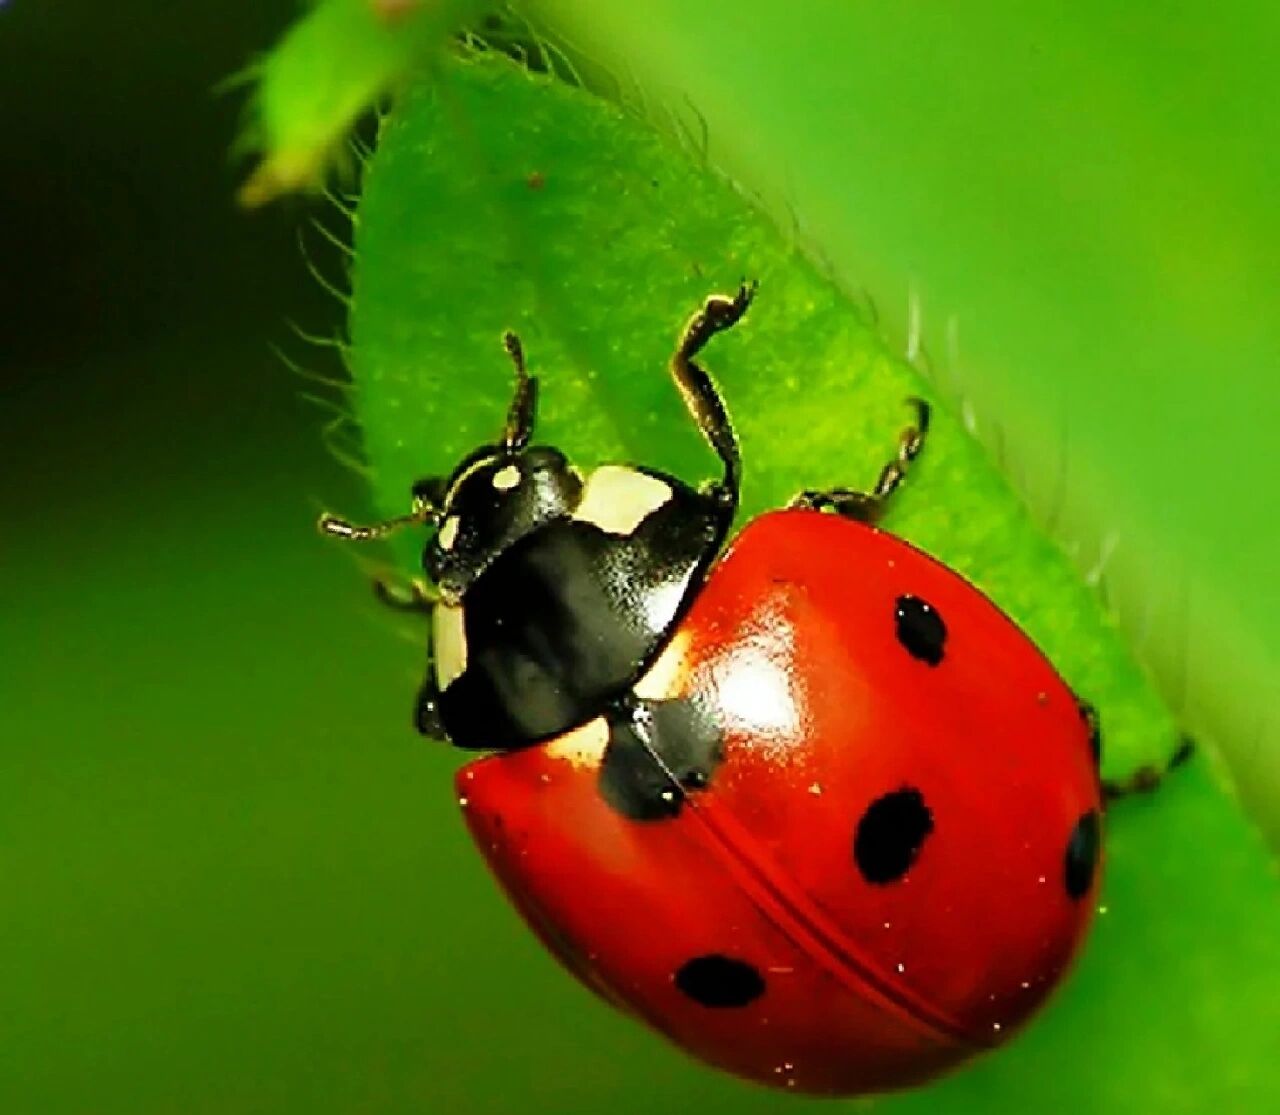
(867, 507)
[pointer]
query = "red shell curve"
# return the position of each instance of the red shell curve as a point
(868, 986)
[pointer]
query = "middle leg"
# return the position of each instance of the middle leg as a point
(867, 507)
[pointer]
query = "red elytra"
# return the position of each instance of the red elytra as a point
(892, 865)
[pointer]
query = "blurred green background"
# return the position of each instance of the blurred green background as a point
(233, 880)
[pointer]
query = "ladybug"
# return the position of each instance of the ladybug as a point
(812, 807)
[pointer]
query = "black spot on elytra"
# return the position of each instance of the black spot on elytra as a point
(1082, 856)
(920, 629)
(891, 834)
(650, 742)
(1089, 715)
(719, 981)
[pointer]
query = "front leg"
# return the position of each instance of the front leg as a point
(413, 595)
(698, 390)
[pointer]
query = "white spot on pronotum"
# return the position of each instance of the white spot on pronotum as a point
(815, 788)
(449, 643)
(582, 747)
(448, 533)
(464, 802)
(902, 967)
(618, 499)
(506, 478)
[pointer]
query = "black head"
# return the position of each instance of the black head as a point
(496, 495)
(493, 499)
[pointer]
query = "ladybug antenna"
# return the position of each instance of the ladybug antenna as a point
(524, 404)
(422, 511)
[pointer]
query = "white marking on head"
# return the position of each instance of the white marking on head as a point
(449, 643)
(618, 499)
(448, 534)
(506, 478)
(582, 747)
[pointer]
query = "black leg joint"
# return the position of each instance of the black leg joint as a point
(426, 711)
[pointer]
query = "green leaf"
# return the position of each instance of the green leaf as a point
(498, 199)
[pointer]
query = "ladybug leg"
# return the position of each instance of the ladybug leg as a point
(699, 392)
(867, 507)
(426, 708)
(426, 704)
(414, 595)
(1147, 778)
(1093, 725)
(910, 442)
(843, 501)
